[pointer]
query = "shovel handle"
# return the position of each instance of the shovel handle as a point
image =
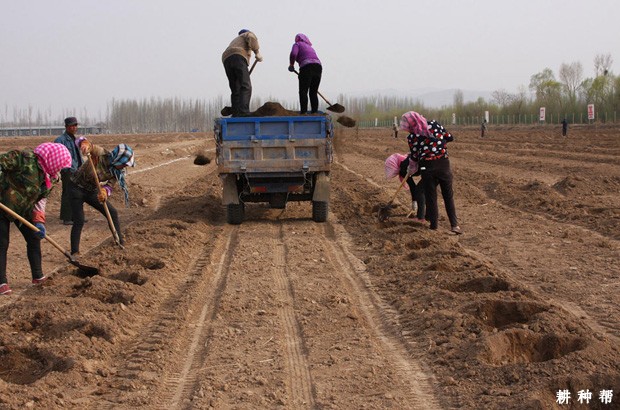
(105, 205)
(34, 228)
(317, 91)
(400, 187)
(253, 65)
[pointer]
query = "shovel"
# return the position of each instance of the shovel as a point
(331, 107)
(83, 270)
(226, 111)
(105, 207)
(384, 209)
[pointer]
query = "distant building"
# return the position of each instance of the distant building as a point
(52, 130)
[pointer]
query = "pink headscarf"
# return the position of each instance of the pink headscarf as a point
(392, 165)
(52, 157)
(414, 123)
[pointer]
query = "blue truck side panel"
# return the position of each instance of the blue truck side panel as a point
(273, 128)
(274, 144)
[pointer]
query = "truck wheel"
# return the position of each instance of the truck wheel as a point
(319, 211)
(235, 213)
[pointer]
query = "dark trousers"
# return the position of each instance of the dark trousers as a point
(236, 67)
(417, 193)
(33, 248)
(438, 173)
(65, 201)
(79, 196)
(309, 80)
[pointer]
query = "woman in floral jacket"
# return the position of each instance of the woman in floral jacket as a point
(428, 145)
(26, 179)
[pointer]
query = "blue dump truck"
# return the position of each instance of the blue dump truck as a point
(274, 160)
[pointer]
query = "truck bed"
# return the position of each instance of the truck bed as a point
(273, 144)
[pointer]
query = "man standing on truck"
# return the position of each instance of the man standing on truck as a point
(236, 59)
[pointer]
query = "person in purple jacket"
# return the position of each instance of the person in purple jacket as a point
(310, 71)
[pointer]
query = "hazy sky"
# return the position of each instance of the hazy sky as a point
(69, 54)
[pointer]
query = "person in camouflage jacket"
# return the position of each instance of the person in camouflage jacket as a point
(110, 166)
(26, 180)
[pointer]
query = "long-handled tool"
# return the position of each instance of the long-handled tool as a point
(226, 111)
(83, 270)
(105, 206)
(384, 209)
(331, 107)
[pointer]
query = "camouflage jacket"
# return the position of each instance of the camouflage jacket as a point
(84, 177)
(22, 185)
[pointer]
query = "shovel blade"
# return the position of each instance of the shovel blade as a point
(384, 212)
(85, 271)
(336, 108)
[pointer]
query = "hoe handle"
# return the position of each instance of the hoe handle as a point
(34, 228)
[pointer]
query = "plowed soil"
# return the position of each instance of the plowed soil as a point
(283, 312)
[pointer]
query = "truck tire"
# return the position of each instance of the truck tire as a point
(235, 213)
(319, 211)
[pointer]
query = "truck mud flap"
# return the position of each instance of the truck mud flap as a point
(321, 189)
(230, 195)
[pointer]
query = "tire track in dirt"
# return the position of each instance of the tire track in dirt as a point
(182, 384)
(382, 319)
(189, 326)
(301, 391)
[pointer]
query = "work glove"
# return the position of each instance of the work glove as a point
(414, 206)
(41, 227)
(258, 56)
(291, 68)
(413, 167)
(102, 196)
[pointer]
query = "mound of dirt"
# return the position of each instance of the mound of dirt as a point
(273, 109)
(570, 183)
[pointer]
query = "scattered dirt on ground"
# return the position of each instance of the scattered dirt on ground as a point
(282, 312)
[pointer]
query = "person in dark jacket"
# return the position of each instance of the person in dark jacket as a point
(427, 142)
(564, 127)
(110, 166)
(310, 72)
(26, 180)
(68, 140)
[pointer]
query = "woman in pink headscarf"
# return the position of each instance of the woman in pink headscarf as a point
(310, 71)
(26, 180)
(427, 143)
(398, 164)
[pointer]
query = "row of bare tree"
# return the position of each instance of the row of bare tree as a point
(565, 96)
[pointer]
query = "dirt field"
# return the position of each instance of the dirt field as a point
(282, 312)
